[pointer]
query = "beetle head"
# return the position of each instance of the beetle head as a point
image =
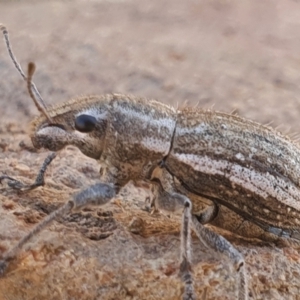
(80, 122)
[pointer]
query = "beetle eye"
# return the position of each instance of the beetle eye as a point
(85, 123)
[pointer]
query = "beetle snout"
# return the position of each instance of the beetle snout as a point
(52, 137)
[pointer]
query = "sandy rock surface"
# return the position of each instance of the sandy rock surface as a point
(235, 55)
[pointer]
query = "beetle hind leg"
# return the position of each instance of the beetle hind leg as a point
(214, 241)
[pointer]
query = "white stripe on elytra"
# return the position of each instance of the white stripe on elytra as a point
(200, 129)
(156, 145)
(252, 180)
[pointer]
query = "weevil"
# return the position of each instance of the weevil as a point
(214, 167)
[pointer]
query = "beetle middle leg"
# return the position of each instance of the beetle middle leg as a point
(173, 202)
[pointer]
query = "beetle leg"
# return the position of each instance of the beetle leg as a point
(39, 181)
(173, 202)
(212, 240)
(98, 194)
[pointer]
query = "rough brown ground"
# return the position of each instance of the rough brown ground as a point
(242, 55)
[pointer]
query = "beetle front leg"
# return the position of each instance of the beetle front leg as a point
(98, 194)
(39, 181)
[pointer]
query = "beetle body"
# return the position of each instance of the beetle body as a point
(248, 168)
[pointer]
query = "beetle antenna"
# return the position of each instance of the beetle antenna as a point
(30, 85)
(32, 89)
